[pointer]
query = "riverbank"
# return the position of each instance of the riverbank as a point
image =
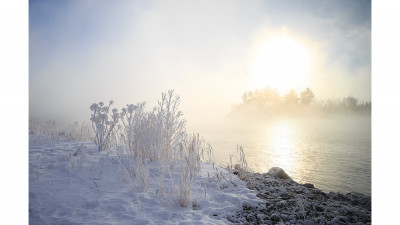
(71, 182)
(288, 202)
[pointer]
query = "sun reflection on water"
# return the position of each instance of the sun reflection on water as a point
(310, 151)
(282, 144)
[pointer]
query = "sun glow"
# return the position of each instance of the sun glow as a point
(283, 144)
(281, 62)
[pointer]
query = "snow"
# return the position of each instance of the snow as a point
(72, 182)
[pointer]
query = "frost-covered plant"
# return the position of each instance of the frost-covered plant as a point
(230, 171)
(127, 117)
(142, 173)
(171, 169)
(44, 128)
(137, 141)
(158, 136)
(207, 152)
(104, 123)
(171, 124)
(152, 136)
(126, 171)
(185, 185)
(191, 150)
(242, 160)
(78, 131)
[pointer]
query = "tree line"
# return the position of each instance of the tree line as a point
(269, 101)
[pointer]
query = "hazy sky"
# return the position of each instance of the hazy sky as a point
(87, 51)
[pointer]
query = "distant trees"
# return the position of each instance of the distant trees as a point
(350, 102)
(270, 102)
(266, 96)
(307, 97)
(291, 98)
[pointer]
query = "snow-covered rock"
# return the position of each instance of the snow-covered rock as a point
(308, 185)
(287, 202)
(279, 173)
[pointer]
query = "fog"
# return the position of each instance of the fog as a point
(83, 52)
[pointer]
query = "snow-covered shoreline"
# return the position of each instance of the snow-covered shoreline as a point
(72, 183)
(288, 202)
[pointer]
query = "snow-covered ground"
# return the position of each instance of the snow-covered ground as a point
(72, 182)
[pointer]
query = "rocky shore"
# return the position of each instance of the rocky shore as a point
(288, 202)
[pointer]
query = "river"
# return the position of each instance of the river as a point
(333, 153)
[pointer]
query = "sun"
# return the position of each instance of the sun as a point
(281, 62)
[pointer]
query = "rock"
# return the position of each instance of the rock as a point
(339, 220)
(337, 196)
(307, 222)
(252, 219)
(359, 199)
(281, 191)
(355, 195)
(237, 167)
(284, 217)
(288, 202)
(261, 216)
(267, 222)
(308, 185)
(279, 173)
(282, 204)
(319, 208)
(319, 192)
(275, 217)
(366, 201)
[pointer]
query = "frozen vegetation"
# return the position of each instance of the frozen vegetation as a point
(71, 182)
(133, 166)
(140, 167)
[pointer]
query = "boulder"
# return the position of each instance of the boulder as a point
(359, 199)
(237, 167)
(275, 217)
(308, 185)
(278, 173)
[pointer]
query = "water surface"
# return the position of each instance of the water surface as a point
(332, 153)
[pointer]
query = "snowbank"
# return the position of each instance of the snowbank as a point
(73, 183)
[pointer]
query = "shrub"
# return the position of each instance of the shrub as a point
(44, 128)
(103, 123)
(131, 118)
(171, 124)
(78, 131)
(159, 136)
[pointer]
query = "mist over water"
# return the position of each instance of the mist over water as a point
(333, 153)
(84, 52)
(327, 146)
